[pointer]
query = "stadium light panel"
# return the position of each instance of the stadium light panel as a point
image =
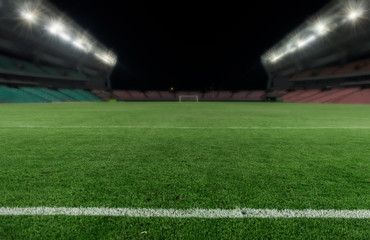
(79, 44)
(29, 13)
(107, 58)
(276, 58)
(30, 17)
(55, 27)
(305, 42)
(354, 15)
(321, 28)
(354, 11)
(82, 45)
(65, 37)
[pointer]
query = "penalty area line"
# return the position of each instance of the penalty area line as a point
(186, 213)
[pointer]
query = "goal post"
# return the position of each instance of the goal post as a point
(188, 98)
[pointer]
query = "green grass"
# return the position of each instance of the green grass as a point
(184, 168)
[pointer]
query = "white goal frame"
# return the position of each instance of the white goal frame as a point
(188, 98)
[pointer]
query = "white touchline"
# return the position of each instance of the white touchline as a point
(186, 213)
(186, 127)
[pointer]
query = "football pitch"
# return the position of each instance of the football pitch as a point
(184, 171)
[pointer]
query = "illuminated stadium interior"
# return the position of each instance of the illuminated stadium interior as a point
(184, 120)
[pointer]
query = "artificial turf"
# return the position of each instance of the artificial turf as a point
(218, 166)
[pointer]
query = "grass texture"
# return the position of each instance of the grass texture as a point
(165, 167)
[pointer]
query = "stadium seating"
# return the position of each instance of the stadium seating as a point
(195, 93)
(88, 96)
(38, 95)
(7, 64)
(360, 66)
(303, 74)
(327, 71)
(211, 95)
(121, 94)
(41, 94)
(338, 95)
(152, 95)
(103, 94)
(181, 93)
(305, 94)
(14, 95)
(291, 95)
(62, 97)
(74, 74)
(136, 94)
(20, 66)
(240, 95)
(357, 97)
(167, 95)
(320, 97)
(256, 94)
(225, 95)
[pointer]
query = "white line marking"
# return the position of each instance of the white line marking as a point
(189, 213)
(179, 127)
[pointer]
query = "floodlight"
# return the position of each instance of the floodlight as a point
(274, 58)
(55, 27)
(65, 37)
(354, 14)
(29, 13)
(292, 50)
(78, 44)
(321, 28)
(29, 16)
(107, 58)
(303, 43)
(82, 44)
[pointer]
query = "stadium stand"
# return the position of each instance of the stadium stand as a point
(13, 95)
(167, 95)
(79, 95)
(358, 97)
(256, 95)
(240, 95)
(225, 95)
(195, 93)
(121, 94)
(39, 66)
(43, 95)
(314, 70)
(58, 95)
(339, 95)
(103, 94)
(136, 94)
(17, 66)
(181, 93)
(152, 95)
(211, 95)
(88, 96)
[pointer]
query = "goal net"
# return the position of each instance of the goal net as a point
(188, 98)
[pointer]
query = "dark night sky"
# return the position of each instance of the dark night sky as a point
(189, 44)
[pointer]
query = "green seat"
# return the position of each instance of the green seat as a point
(8, 64)
(62, 97)
(14, 95)
(52, 71)
(30, 67)
(88, 95)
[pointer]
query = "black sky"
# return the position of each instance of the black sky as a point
(190, 45)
